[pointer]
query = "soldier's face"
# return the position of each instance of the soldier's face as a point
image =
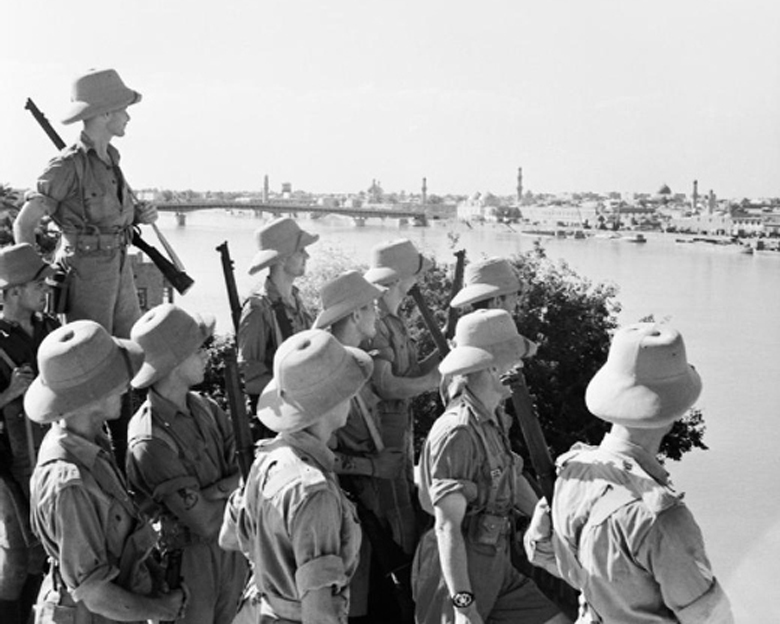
(117, 122)
(295, 265)
(193, 368)
(32, 295)
(366, 320)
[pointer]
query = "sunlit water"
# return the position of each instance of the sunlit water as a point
(727, 305)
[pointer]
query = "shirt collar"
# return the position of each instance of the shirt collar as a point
(312, 446)
(83, 450)
(272, 292)
(165, 409)
(86, 144)
(615, 445)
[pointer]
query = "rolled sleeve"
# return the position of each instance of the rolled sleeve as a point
(452, 465)
(316, 541)
(155, 469)
(712, 607)
(83, 559)
(54, 185)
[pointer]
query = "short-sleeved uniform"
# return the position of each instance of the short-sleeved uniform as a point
(260, 332)
(169, 450)
(295, 525)
(467, 452)
(394, 345)
(20, 554)
(88, 524)
(625, 538)
(90, 202)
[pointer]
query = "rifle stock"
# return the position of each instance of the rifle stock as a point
(528, 420)
(174, 274)
(172, 562)
(430, 322)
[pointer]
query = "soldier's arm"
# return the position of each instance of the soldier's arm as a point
(28, 219)
(192, 508)
(115, 603)
(389, 386)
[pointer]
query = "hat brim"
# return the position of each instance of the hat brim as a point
(620, 399)
(473, 293)
(466, 359)
(327, 317)
(44, 405)
(45, 271)
(266, 257)
(84, 110)
(287, 416)
(152, 371)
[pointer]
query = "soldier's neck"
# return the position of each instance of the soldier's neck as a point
(282, 281)
(18, 315)
(648, 439)
(100, 140)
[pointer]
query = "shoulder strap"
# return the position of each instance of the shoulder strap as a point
(285, 327)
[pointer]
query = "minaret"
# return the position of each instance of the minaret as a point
(519, 185)
(425, 191)
(265, 189)
(695, 199)
(711, 202)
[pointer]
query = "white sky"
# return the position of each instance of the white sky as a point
(585, 94)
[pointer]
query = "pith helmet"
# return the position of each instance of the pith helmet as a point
(646, 382)
(277, 240)
(96, 92)
(80, 364)
(313, 373)
(20, 264)
(344, 294)
(394, 260)
(486, 279)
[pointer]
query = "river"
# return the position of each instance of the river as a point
(725, 304)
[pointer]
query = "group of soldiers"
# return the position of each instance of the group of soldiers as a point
(334, 521)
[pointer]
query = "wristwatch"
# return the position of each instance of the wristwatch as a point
(462, 599)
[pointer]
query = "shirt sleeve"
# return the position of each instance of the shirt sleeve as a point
(674, 551)
(83, 558)
(316, 542)
(381, 347)
(453, 463)
(155, 468)
(55, 184)
(253, 334)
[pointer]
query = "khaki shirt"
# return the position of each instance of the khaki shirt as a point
(82, 193)
(626, 539)
(259, 334)
(83, 514)
(294, 523)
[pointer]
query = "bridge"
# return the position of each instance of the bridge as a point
(416, 215)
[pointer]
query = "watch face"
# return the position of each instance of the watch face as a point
(462, 599)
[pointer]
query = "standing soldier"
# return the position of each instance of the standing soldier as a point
(23, 325)
(292, 520)
(362, 460)
(622, 535)
(181, 460)
(81, 509)
(84, 192)
(398, 377)
(275, 311)
(471, 483)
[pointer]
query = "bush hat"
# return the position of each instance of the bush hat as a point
(96, 92)
(485, 338)
(79, 364)
(646, 382)
(486, 279)
(394, 260)
(168, 335)
(20, 264)
(277, 240)
(313, 373)
(344, 294)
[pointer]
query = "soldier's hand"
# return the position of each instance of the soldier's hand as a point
(387, 463)
(21, 378)
(146, 213)
(469, 615)
(172, 606)
(540, 527)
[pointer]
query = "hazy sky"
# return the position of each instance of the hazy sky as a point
(584, 95)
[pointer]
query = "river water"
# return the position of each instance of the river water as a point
(725, 304)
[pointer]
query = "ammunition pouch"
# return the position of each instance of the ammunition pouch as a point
(96, 243)
(487, 529)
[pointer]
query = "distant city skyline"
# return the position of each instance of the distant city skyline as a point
(595, 96)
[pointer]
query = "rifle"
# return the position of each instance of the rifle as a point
(172, 271)
(430, 323)
(171, 559)
(457, 284)
(230, 284)
(245, 453)
(528, 420)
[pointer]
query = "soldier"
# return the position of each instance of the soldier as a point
(472, 483)
(292, 520)
(181, 460)
(490, 283)
(275, 311)
(84, 192)
(622, 535)
(362, 460)
(81, 509)
(398, 377)
(23, 325)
